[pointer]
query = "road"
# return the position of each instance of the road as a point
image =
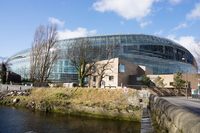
(193, 105)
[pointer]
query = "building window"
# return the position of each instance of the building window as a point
(171, 83)
(111, 78)
(121, 68)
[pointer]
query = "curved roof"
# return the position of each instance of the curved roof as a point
(142, 39)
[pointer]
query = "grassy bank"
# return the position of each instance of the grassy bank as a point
(101, 103)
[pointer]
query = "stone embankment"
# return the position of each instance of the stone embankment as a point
(5, 87)
(172, 119)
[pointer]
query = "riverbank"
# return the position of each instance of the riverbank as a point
(99, 103)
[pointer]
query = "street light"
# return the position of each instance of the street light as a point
(187, 85)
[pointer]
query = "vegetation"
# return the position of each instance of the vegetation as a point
(159, 82)
(81, 55)
(3, 72)
(178, 83)
(146, 80)
(43, 52)
(102, 103)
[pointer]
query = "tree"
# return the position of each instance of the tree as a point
(146, 80)
(102, 68)
(159, 82)
(3, 72)
(81, 56)
(178, 81)
(100, 71)
(84, 56)
(43, 52)
(24, 72)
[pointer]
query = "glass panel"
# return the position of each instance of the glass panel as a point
(121, 68)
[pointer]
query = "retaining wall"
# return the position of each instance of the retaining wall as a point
(13, 87)
(173, 119)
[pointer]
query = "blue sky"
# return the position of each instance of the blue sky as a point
(178, 20)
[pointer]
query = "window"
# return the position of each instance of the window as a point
(111, 78)
(152, 48)
(130, 49)
(121, 68)
(169, 52)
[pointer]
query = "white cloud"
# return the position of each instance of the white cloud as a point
(180, 26)
(145, 23)
(79, 32)
(56, 21)
(128, 9)
(194, 13)
(190, 43)
(174, 2)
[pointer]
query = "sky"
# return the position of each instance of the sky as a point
(178, 20)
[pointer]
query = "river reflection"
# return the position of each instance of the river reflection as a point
(20, 121)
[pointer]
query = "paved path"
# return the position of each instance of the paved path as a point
(193, 105)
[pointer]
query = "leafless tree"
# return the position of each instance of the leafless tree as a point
(4, 66)
(24, 72)
(81, 56)
(84, 56)
(43, 52)
(101, 68)
(101, 71)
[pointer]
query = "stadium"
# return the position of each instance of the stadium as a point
(161, 55)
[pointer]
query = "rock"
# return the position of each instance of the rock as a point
(31, 105)
(16, 100)
(19, 93)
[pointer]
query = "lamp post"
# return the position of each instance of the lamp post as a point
(187, 84)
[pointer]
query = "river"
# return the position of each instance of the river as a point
(24, 121)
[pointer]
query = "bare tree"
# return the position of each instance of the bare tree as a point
(101, 71)
(84, 56)
(43, 52)
(4, 68)
(24, 72)
(101, 68)
(80, 54)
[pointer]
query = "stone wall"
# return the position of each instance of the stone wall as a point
(13, 87)
(173, 119)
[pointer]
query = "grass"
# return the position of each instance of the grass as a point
(82, 101)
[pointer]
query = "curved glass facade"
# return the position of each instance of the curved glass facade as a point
(161, 55)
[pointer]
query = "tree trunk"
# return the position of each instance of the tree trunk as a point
(98, 82)
(81, 82)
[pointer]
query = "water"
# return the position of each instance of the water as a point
(24, 121)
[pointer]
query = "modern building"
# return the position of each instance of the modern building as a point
(117, 72)
(168, 79)
(161, 55)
